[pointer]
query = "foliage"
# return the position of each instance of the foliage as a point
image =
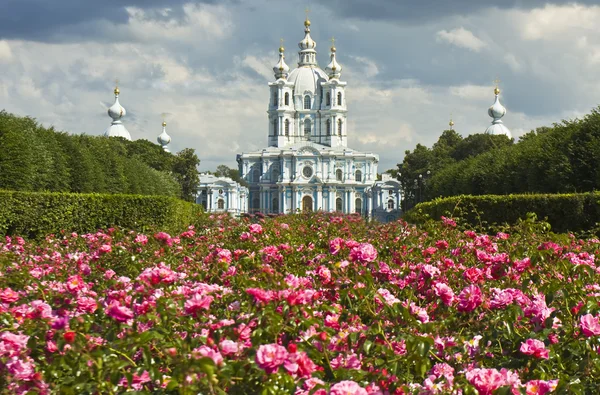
(36, 214)
(234, 174)
(563, 158)
(35, 158)
(564, 212)
(305, 304)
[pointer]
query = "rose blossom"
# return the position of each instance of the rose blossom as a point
(535, 347)
(589, 325)
(347, 387)
(364, 252)
(469, 298)
(270, 356)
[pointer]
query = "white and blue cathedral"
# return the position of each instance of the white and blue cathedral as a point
(307, 165)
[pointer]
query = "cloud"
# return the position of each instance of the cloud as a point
(370, 68)
(472, 92)
(461, 38)
(5, 52)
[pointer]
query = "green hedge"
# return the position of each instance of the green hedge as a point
(36, 214)
(574, 212)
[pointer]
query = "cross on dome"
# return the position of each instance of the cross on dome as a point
(307, 54)
(164, 139)
(281, 69)
(497, 111)
(333, 69)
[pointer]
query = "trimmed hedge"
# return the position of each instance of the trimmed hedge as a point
(573, 212)
(36, 214)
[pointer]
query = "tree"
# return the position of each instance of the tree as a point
(186, 172)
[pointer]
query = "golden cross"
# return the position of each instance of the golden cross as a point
(307, 11)
(281, 41)
(333, 41)
(117, 82)
(497, 81)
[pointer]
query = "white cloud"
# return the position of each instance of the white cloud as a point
(556, 20)
(263, 65)
(461, 37)
(472, 92)
(512, 62)
(370, 68)
(5, 52)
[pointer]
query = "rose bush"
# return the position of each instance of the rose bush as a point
(303, 304)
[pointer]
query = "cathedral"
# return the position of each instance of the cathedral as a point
(307, 164)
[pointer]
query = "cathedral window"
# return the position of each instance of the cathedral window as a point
(307, 127)
(328, 99)
(220, 204)
(391, 204)
(287, 127)
(275, 99)
(256, 175)
(338, 204)
(340, 127)
(358, 206)
(275, 206)
(328, 123)
(275, 175)
(275, 127)
(287, 99)
(307, 102)
(358, 176)
(338, 174)
(339, 96)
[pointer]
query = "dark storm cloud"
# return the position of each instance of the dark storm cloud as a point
(45, 20)
(411, 11)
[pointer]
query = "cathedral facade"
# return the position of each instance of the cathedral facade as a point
(307, 164)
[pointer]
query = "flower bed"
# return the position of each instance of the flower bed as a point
(300, 304)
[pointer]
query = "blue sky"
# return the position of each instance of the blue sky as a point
(409, 65)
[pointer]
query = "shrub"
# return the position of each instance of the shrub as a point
(574, 212)
(34, 214)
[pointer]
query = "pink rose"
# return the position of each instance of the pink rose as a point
(364, 252)
(255, 228)
(270, 357)
(589, 325)
(470, 298)
(118, 312)
(347, 387)
(444, 292)
(535, 348)
(229, 347)
(197, 303)
(486, 381)
(540, 387)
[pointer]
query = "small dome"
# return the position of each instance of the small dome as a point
(307, 42)
(164, 139)
(116, 112)
(281, 69)
(497, 110)
(334, 69)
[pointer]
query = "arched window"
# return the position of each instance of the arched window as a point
(307, 127)
(338, 204)
(339, 95)
(256, 175)
(338, 174)
(358, 206)
(391, 204)
(287, 126)
(275, 127)
(287, 99)
(328, 123)
(275, 207)
(358, 176)
(328, 99)
(340, 127)
(307, 102)
(220, 204)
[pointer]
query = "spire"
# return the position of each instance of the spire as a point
(307, 55)
(281, 69)
(451, 123)
(164, 139)
(116, 112)
(497, 111)
(333, 69)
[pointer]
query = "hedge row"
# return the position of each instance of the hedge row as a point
(573, 212)
(36, 214)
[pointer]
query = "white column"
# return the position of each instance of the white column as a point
(320, 198)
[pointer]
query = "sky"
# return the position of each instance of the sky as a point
(410, 66)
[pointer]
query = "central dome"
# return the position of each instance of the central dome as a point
(307, 79)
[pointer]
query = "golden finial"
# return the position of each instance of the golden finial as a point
(281, 48)
(306, 21)
(497, 90)
(333, 44)
(117, 91)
